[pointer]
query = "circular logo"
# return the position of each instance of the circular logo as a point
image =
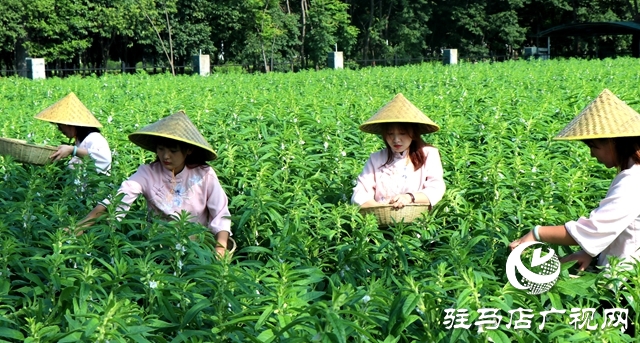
(543, 272)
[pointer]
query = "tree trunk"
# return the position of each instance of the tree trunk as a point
(368, 35)
(173, 70)
(264, 56)
(21, 55)
(304, 30)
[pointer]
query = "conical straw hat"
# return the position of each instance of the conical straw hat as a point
(605, 117)
(399, 110)
(176, 126)
(70, 111)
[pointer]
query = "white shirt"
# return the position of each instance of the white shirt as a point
(613, 229)
(99, 151)
(382, 182)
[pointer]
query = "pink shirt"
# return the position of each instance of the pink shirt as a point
(613, 229)
(196, 191)
(382, 183)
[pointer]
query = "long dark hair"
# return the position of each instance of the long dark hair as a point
(625, 148)
(417, 143)
(82, 132)
(195, 159)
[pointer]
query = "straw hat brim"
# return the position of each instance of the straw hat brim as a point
(376, 127)
(605, 117)
(177, 127)
(69, 111)
(399, 110)
(148, 141)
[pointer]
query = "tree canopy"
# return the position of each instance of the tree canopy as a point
(267, 34)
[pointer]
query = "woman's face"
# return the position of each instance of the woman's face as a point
(172, 158)
(67, 130)
(604, 151)
(398, 138)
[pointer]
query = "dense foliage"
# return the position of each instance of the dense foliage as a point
(309, 267)
(274, 34)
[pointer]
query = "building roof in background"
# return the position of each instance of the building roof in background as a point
(592, 29)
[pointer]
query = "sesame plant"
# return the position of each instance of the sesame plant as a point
(309, 267)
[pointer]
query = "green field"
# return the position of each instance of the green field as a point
(309, 267)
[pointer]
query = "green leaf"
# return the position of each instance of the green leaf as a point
(11, 333)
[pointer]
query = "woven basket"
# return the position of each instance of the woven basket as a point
(387, 215)
(24, 152)
(231, 245)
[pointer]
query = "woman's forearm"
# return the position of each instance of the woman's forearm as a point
(92, 216)
(82, 152)
(556, 235)
(222, 237)
(421, 198)
(370, 203)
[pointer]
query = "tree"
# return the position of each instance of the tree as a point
(328, 25)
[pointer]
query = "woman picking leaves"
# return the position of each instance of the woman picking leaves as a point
(179, 179)
(611, 130)
(76, 122)
(407, 170)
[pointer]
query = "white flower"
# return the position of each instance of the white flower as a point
(180, 264)
(366, 299)
(295, 120)
(180, 247)
(326, 145)
(282, 146)
(534, 169)
(302, 142)
(343, 153)
(153, 284)
(500, 176)
(109, 119)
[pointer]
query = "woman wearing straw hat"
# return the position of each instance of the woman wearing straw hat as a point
(179, 179)
(407, 170)
(75, 121)
(611, 130)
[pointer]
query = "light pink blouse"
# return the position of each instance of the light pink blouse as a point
(196, 191)
(382, 183)
(613, 229)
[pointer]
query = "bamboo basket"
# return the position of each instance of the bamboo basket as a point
(387, 215)
(231, 245)
(24, 152)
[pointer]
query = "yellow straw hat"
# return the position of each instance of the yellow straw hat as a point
(69, 111)
(399, 110)
(605, 117)
(176, 126)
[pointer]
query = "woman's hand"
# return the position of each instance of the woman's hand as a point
(400, 200)
(222, 239)
(524, 239)
(583, 259)
(221, 251)
(62, 152)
